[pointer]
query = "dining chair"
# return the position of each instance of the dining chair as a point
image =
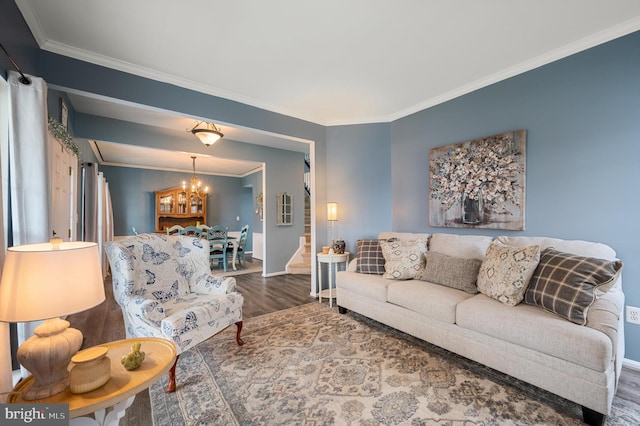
(174, 230)
(204, 228)
(217, 237)
(192, 231)
(241, 242)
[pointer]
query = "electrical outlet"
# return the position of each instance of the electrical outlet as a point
(633, 315)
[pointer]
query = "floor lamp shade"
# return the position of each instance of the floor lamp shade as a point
(43, 282)
(332, 211)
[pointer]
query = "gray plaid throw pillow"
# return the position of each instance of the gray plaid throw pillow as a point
(369, 257)
(567, 284)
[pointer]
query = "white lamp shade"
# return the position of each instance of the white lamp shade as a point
(207, 137)
(208, 133)
(332, 211)
(42, 281)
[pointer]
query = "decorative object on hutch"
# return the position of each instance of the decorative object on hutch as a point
(195, 181)
(208, 133)
(179, 206)
(44, 282)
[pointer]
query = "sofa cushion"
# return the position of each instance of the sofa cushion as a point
(567, 284)
(368, 286)
(531, 327)
(465, 246)
(369, 257)
(506, 271)
(402, 236)
(454, 272)
(579, 247)
(431, 300)
(403, 259)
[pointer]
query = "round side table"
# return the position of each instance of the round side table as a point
(122, 387)
(332, 261)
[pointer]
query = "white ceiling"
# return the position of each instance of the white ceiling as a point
(330, 62)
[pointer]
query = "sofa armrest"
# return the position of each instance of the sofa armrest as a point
(147, 310)
(606, 315)
(209, 284)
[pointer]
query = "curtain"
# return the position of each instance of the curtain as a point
(29, 154)
(90, 202)
(105, 220)
(98, 223)
(6, 382)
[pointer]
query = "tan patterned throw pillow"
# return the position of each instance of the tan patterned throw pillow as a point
(506, 271)
(403, 259)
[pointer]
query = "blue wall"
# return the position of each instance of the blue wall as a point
(582, 116)
(359, 180)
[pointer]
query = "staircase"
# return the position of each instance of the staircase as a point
(304, 264)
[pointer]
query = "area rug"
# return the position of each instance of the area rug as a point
(310, 365)
(249, 268)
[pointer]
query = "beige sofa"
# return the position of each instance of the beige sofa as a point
(581, 363)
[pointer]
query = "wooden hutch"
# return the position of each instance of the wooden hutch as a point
(178, 206)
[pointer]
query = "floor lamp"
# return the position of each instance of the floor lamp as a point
(44, 282)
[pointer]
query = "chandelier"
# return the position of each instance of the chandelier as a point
(196, 183)
(208, 133)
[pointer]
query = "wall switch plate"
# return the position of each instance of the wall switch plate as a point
(633, 315)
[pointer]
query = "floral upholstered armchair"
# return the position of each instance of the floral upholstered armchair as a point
(165, 289)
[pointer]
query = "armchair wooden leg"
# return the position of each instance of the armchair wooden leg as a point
(238, 339)
(172, 377)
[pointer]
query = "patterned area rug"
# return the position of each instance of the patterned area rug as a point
(250, 268)
(311, 365)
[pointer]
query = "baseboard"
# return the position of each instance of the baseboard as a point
(275, 274)
(629, 363)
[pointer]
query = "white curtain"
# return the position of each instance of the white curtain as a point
(105, 220)
(28, 160)
(98, 224)
(90, 202)
(29, 155)
(6, 382)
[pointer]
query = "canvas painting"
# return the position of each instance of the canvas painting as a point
(479, 183)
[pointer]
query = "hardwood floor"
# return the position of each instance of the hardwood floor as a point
(262, 295)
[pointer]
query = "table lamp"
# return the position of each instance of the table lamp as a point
(43, 282)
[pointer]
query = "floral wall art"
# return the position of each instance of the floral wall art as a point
(479, 183)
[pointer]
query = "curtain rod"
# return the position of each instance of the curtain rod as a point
(23, 78)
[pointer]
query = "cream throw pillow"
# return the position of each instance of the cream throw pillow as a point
(506, 271)
(403, 260)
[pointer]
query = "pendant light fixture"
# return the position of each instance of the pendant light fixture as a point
(208, 133)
